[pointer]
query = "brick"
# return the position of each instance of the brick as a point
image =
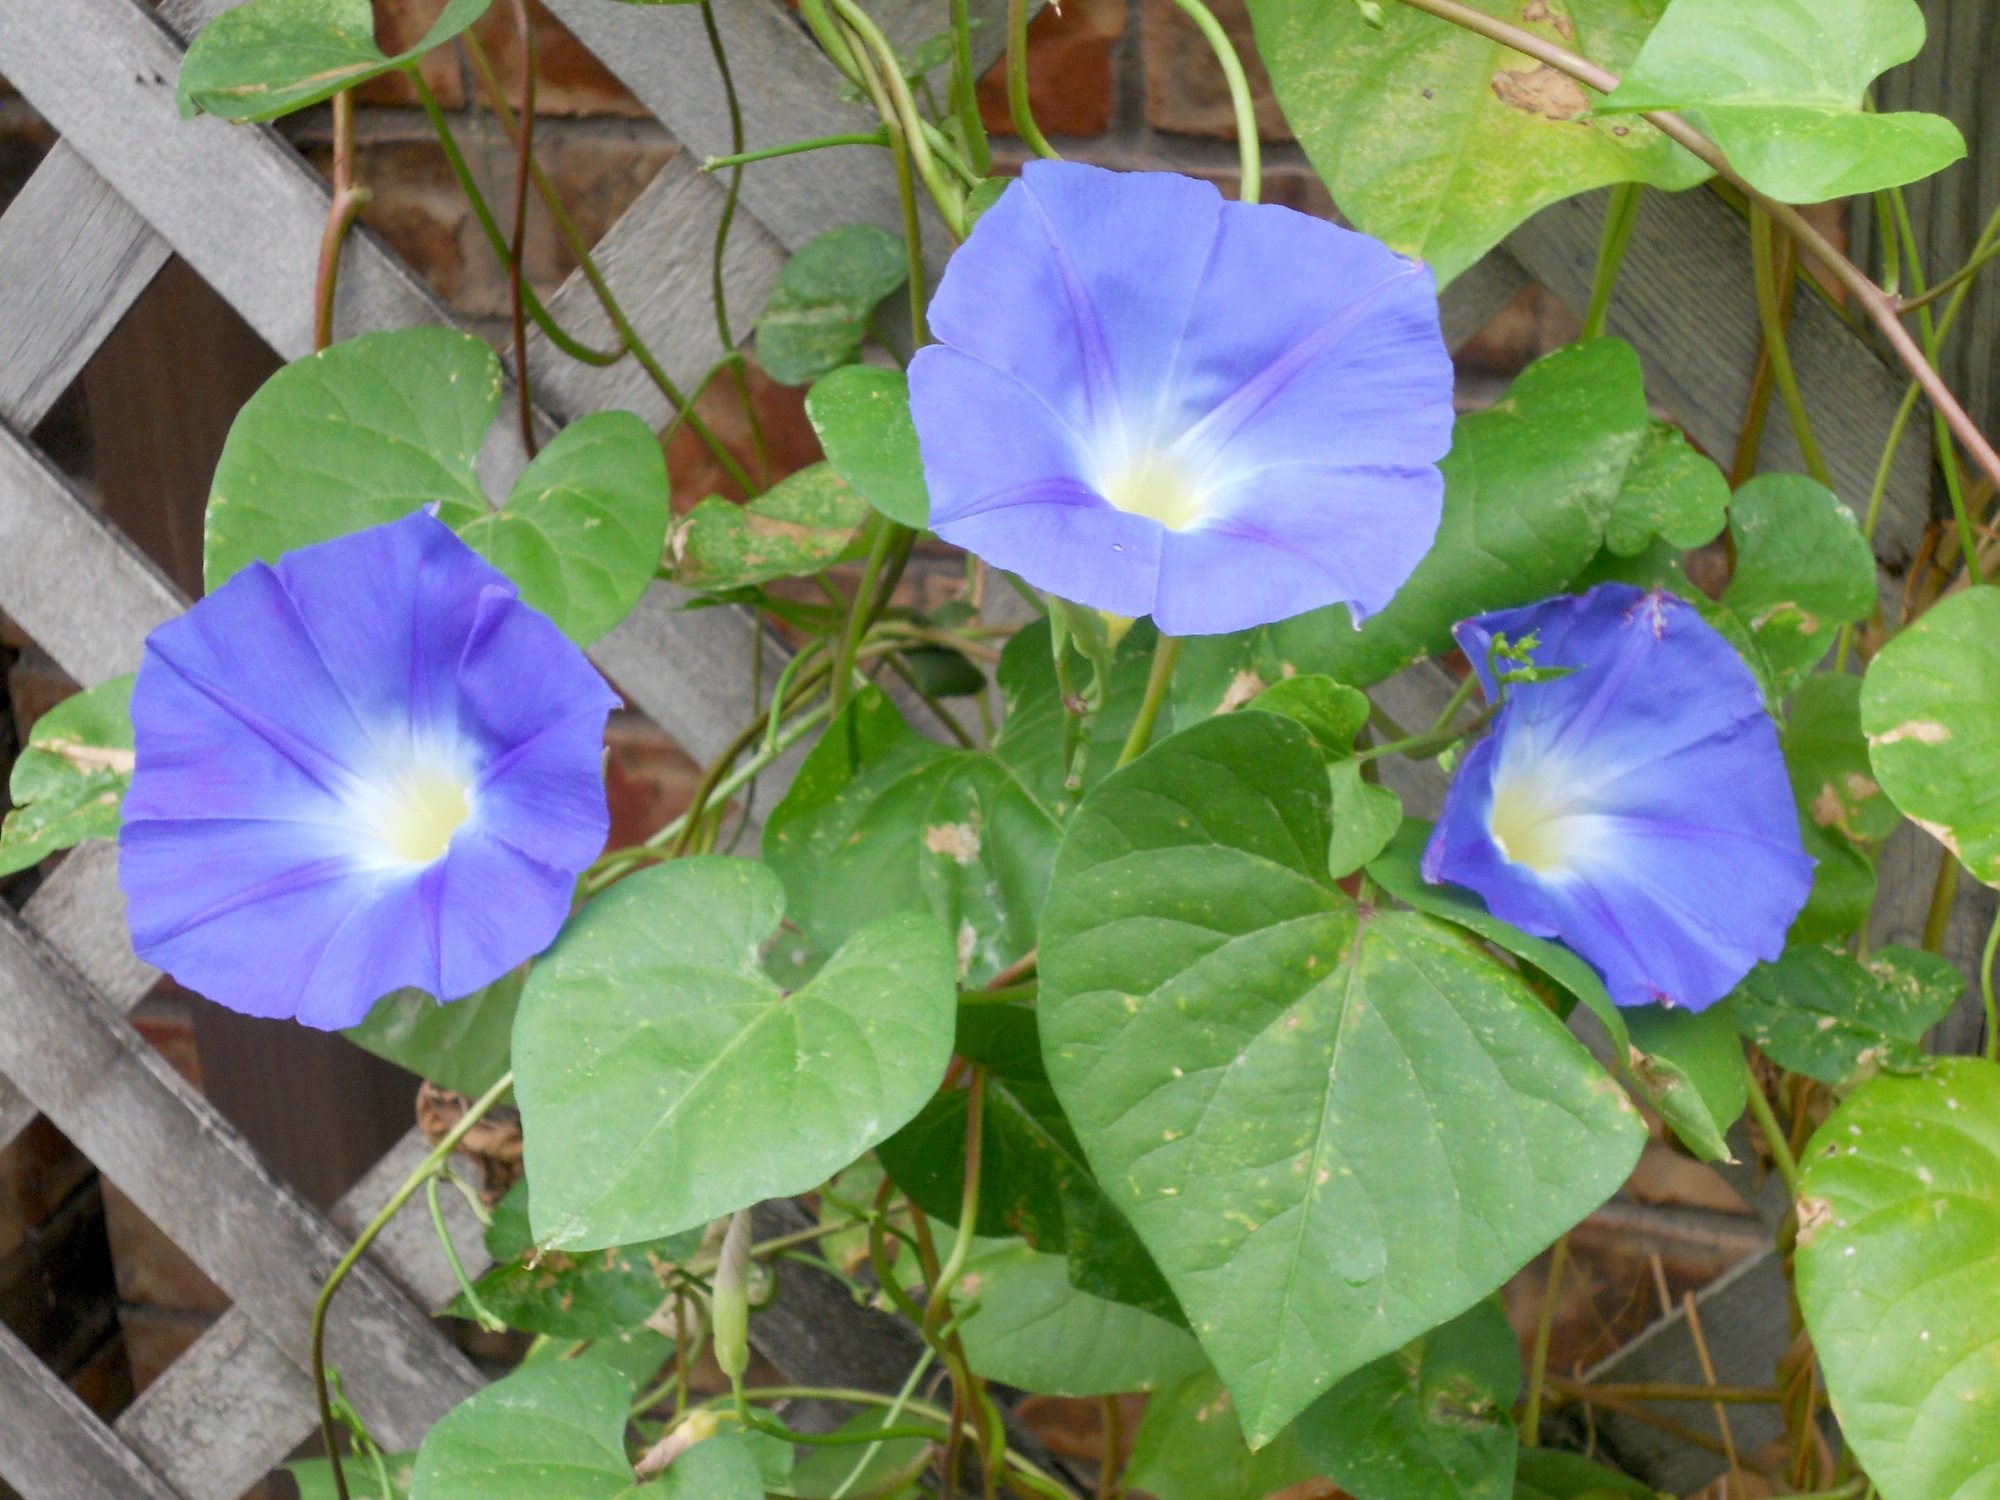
(35, 684)
(789, 439)
(1532, 325)
(648, 779)
(151, 1270)
(569, 80)
(1186, 92)
(399, 26)
(38, 1173)
(1072, 77)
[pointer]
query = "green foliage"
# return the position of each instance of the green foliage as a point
(1551, 1474)
(1190, 1447)
(314, 1477)
(1803, 569)
(862, 416)
(819, 311)
(1931, 708)
(71, 776)
(1439, 141)
(823, 1471)
(270, 57)
(463, 1046)
(598, 1294)
(1531, 483)
(1782, 88)
(1898, 1271)
(1690, 1066)
(665, 1081)
(377, 427)
(1829, 1017)
(1365, 816)
(1035, 1331)
(1032, 1178)
(1843, 816)
(554, 1428)
(805, 522)
(723, 1467)
(1432, 1420)
(1332, 712)
(1670, 492)
(1238, 1044)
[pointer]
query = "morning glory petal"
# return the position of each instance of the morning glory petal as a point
(1636, 808)
(1145, 399)
(367, 768)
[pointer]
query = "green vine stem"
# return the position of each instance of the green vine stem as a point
(1249, 148)
(965, 92)
(1765, 273)
(1775, 1140)
(1947, 459)
(1620, 218)
(1879, 305)
(900, 152)
(841, 687)
(795, 148)
(1990, 1048)
(347, 203)
(575, 348)
(968, 1209)
(1944, 894)
(586, 263)
(426, 1170)
(1538, 1364)
(1018, 105)
(728, 217)
(1165, 653)
(481, 1313)
(897, 108)
(517, 276)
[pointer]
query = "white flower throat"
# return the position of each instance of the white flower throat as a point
(1155, 483)
(408, 813)
(1536, 819)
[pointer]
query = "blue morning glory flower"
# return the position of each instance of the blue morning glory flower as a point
(1637, 808)
(371, 766)
(1152, 401)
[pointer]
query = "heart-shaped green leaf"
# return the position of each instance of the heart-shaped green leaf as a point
(463, 1046)
(1332, 712)
(1829, 1017)
(1365, 817)
(1530, 485)
(1670, 491)
(583, 530)
(599, 1295)
(554, 1428)
(805, 522)
(270, 57)
(1931, 708)
(379, 426)
(1803, 569)
(1334, 1126)
(818, 313)
(1438, 141)
(862, 416)
(1432, 1420)
(1782, 88)
(1190, 1447)
(1899, 1276)
(665, 1081)
(70, 779)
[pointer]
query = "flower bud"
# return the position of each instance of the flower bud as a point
(731, 1299)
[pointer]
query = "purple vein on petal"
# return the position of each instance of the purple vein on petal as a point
(284, 883)
(1098, 371)
(328, 774)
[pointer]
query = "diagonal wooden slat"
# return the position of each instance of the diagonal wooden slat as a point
(54, 1445)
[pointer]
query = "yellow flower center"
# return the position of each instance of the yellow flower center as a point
(1155, 485)
(1532, 824)
(419, 814)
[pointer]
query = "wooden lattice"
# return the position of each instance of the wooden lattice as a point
(130, 183)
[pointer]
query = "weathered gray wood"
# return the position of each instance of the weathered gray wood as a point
(656, 260)
(1745, 1323)
(68, 576)
(52, 1446)
(73, 257)
(80, 912)
(234, 1405)
(1480, 294)
(1685, 302)
(69, 1050)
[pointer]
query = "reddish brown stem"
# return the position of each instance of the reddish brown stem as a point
(348, 201)
(524, 157)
